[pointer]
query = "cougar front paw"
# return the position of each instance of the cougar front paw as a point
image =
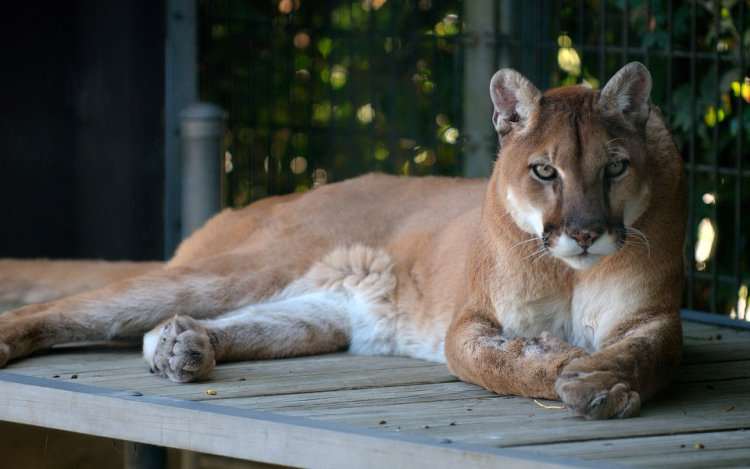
(179, 350)
(597, 395)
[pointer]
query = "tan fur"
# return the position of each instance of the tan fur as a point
(41, 280)
(563, 288)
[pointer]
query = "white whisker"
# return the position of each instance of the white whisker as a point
(624, 248)
(541, 248)
(537, 238)
(636, 237)
(544, 253)
(540, 252)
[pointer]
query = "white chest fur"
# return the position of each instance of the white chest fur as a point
(583, 318)
(601, 303)
(521, 317)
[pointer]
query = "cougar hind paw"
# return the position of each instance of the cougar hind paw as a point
(180, 350)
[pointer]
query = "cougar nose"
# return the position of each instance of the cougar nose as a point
(585, 238)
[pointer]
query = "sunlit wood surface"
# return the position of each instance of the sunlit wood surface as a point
(344, 411)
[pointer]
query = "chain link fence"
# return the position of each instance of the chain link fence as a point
(322, 91)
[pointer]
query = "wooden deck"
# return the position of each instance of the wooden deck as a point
(343, 411)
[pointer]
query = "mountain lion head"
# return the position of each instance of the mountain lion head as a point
(573, 168)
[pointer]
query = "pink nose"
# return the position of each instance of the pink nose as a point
(585, 238)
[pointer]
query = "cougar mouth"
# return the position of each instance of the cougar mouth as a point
(583, 250)
(582, 261)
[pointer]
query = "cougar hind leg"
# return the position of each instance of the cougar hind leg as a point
(42, 280)
(344, 300)
(129, 308)
(184, 349)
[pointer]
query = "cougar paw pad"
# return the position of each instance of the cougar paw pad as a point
(179, 350)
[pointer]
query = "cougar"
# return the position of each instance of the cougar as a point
(560, 277)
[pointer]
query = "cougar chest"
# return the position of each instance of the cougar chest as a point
(540, 308)
(599, 303)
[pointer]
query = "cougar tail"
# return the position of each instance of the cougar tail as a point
(41, 280)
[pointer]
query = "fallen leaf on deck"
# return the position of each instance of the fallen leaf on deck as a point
(699, 337)
(549, 406)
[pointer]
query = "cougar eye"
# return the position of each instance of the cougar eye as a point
(544, 171)
(615, 168)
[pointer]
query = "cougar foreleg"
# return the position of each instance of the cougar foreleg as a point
(633, 363)
(477, 351)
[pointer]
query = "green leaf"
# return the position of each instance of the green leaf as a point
(325, 46)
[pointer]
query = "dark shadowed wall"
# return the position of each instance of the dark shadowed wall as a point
(81, 129)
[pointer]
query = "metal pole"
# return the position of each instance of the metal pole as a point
(479, 66)
(201, 132)
(140, 456)
(180, 89)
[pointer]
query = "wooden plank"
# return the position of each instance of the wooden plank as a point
(80, 360)
(500, 421)
(698, 331)
(450, 393)
(351, 394)
(334, 362)
(239, 433)
(306, 374)
(709, 372)
(124, 364)
(695, 450)
(714, 319)
(400, 397)
(716, 352)
(705, 343)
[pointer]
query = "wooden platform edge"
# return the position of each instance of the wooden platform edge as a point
(714, 319)
(243, 434)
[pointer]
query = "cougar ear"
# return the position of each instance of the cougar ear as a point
(514, 97)
(629, 92)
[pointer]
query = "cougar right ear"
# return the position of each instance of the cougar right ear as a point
(629, 92)
(514, 97)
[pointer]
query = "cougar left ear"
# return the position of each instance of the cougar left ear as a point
(514, 97)
(629, 92)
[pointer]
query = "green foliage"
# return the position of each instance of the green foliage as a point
(330, 90)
